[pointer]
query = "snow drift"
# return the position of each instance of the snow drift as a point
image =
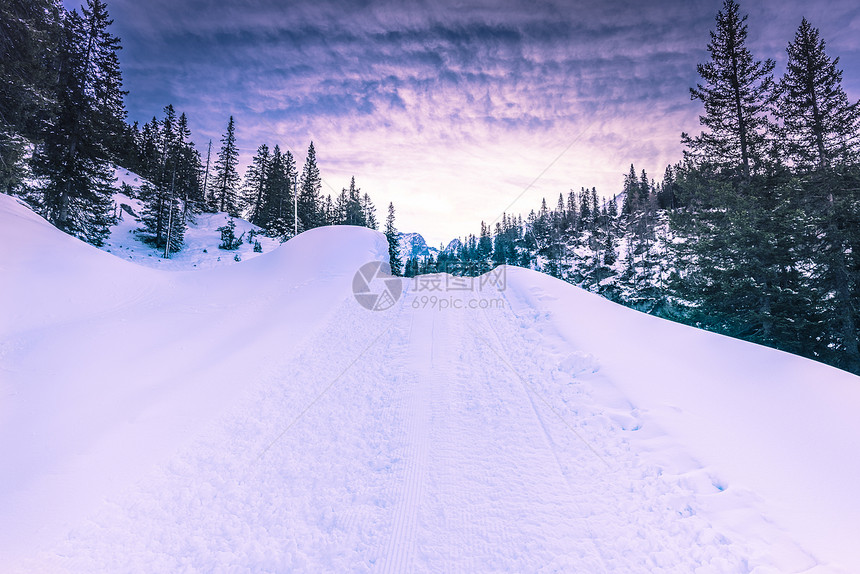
(109, 367)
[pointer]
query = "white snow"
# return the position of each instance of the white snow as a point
(255, 418)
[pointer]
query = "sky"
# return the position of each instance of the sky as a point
(456, 111)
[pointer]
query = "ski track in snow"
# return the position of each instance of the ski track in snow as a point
(436, 441)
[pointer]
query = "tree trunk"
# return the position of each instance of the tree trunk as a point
(844, 306)
(742, 125)
(66, 195)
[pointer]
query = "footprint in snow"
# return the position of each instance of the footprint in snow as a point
(578, 363)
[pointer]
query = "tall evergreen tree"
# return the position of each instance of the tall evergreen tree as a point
(734, 264)
(149, 156)
(227, 178)
(736, 92)
(485, 242)
(163, 217)
(169, 198)
(189, 168)
(392, 236)
(289, 195)
(169, 146)
(330, 216)
(353, 211)
(310, 202)
(369, 211)
(820, 126)
(820, 134)
(255, 188)
(30, 33)
(74, 157)
(631, 193)
(645, 189)
(836, 260)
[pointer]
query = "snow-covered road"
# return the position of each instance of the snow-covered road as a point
(286, 428)
(413, 440)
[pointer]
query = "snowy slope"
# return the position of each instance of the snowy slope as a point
(766, 429)
(256, 418)
(108, 367)
(201, 238)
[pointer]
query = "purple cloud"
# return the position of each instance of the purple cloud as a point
(449, 109)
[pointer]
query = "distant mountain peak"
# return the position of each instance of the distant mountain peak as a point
(414, 246)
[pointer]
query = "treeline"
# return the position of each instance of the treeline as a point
(63, 129)
(546, 239)
(754, 234)
(272, 194)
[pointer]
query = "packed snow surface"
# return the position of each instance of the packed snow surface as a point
(256, 418)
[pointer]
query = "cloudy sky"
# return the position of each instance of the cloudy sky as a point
(454, 110)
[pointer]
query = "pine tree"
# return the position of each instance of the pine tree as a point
(188, 170)
(666, 197)
(836, 259)
(572, 210)
(820, 133)
(631, 193)
(29, 35)
(176, 222)
(227, 178)
(164, 216)
(560, 214)
(393, 238)
(485, 243)
(169, 145)
(586, 215)
(736, 93)
(330, 216)
(738, 261)
(353, 211)
(310, 202)
(369, 211)
(277, 202)
(149, 154)
(645, 189)
(74, 157)
(229, 241)
(255, 187)
(820, 126)
(501, 243)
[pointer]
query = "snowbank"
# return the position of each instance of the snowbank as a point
(109, 368)
(769, 428)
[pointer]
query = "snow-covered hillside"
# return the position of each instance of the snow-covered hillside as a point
(256, 418)
(201, 238)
